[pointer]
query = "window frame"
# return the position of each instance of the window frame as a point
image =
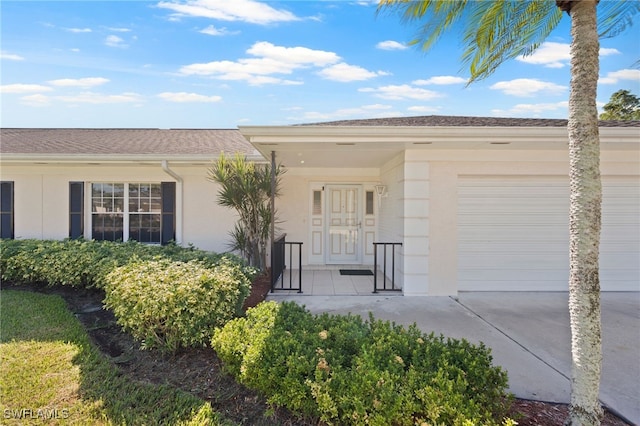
(125, 202)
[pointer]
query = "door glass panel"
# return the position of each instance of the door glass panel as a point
(369, 203)
(317, 202)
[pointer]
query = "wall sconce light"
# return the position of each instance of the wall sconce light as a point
(382, 192)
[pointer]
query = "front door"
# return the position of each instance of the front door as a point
(343, 222)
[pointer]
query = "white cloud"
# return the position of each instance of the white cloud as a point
(224, 10)
(423, 109)
(187, 97)
(529, 110)
(115, 41)
(78, 30)
(293, 55)
(36, 100)
(213, 31)
(369, 111)
(345, 73)
(400, 92)
(391, 45)
(24, 88)
(549, 54)
(527, 87)
(606, 51)
(615, 76)
(269, 60)
(557, 55)
(99, 98)
(440, 80)
(119, 30)
(79, 82)
(260, 80)
(11, 56)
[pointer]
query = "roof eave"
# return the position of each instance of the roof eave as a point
(114, 158)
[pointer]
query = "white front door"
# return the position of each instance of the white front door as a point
(343, 223)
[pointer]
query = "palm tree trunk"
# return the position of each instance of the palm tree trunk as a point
(585, 217)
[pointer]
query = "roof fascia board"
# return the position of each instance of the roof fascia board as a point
(115, 159)
(372, 134)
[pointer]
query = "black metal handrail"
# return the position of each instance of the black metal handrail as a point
(278, 264)
(277, 259)
(384, 268)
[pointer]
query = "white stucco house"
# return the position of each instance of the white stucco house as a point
(479, 204)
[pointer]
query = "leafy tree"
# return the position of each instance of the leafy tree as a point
(623, 105)
(246, 187)
(495, 31)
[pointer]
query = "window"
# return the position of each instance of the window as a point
(6, 210)
(317, 202)
(369, 203)
(145, 211)
(127, 211)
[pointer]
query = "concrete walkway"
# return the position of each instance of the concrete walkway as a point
(528, 333)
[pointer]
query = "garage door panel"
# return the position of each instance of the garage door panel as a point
(624, 260)
(475, 248)
(526, 274)
(612, 234)
(512, 218)
(513, 233)
(504, 209)
(524, 233)
(517, 262)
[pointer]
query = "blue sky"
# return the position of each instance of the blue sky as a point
(223, 63)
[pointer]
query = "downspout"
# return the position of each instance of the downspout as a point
(179, 207)
(273, 196)
(273, 211)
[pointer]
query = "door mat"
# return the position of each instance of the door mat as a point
(355, 272)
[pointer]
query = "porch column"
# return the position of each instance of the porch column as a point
(416, 198)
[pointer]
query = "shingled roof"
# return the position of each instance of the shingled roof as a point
(160, 142)
(461, 121)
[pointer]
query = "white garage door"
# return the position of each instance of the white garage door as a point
(513, 234)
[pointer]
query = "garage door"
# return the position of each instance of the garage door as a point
(513, 233)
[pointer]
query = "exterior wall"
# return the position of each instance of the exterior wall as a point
(391, 228)
(42, 199)
(445, 167)
(205, 224)
(420, 210)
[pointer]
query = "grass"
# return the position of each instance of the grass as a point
(51, 374)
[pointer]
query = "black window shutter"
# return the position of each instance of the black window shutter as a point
(76, 209)
(6, 210)
(168, 212)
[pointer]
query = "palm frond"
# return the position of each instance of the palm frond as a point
(502, 30)
(615, 16)
(440, 15)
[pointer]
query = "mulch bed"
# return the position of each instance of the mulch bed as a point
(199, 371)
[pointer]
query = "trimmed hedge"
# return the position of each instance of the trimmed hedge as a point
(167, 296)
(348, 371)
(171, 305)
(86, 263)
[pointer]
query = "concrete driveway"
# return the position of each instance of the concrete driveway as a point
(528, 333)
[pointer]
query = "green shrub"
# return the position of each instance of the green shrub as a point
(83, 263)
(19, 260)
(170, 305)
(347, 371)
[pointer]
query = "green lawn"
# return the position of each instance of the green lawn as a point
(51, 374)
